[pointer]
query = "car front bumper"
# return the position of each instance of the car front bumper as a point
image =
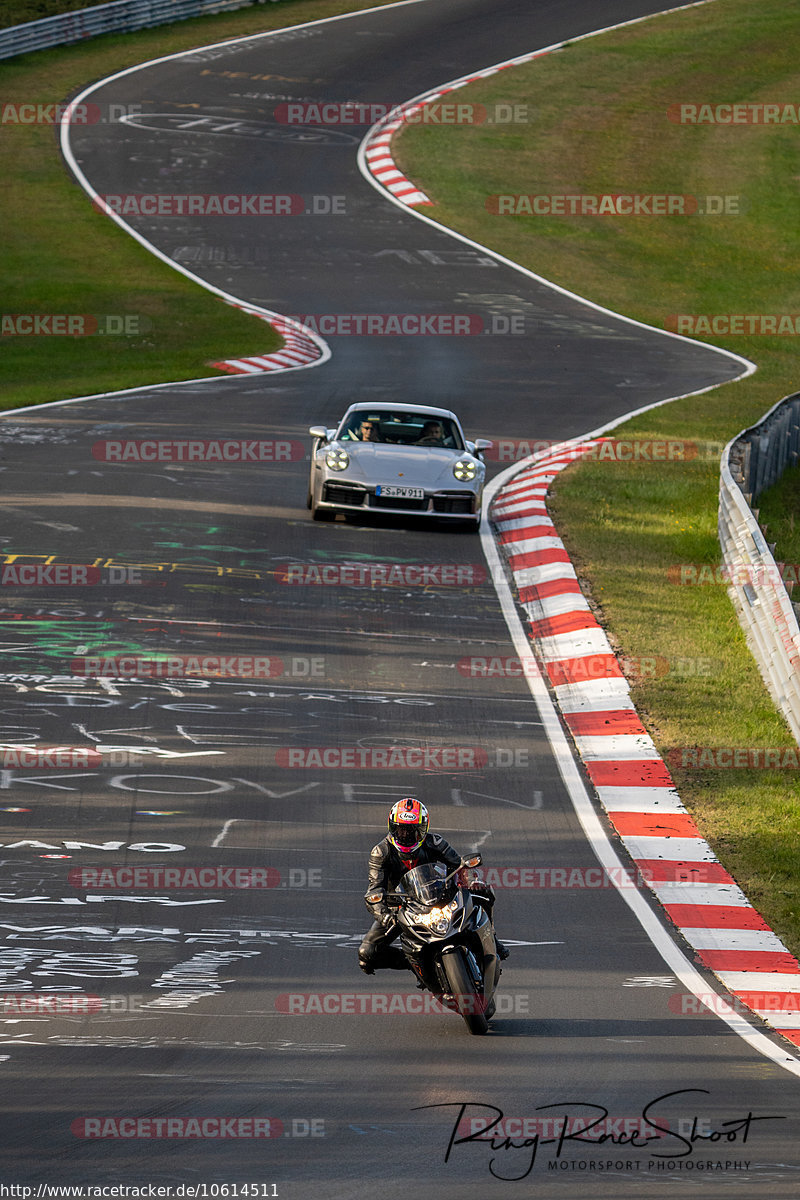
(349, 497)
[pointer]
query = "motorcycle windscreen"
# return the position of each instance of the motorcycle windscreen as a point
(429, 884)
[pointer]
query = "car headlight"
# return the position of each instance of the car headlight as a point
(337, 460)
(465, 470)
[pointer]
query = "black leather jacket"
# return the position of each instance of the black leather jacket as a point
(386, 868)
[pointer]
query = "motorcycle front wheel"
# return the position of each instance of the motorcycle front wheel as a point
(468, 1000)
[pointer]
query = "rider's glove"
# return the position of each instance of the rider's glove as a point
(386, 918)
(479, 888)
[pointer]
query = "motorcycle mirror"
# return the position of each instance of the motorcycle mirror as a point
(473, 860)
(374, 897)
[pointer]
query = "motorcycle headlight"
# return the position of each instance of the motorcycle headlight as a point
(465, 470)
(337, 460)
(438, 919)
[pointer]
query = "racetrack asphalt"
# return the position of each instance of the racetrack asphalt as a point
(205, 987)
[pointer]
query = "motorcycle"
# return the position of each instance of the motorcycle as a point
(448, 939)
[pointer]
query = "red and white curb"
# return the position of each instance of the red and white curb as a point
(383, 168)
(630, 778)
(376, 148)
(301, 349)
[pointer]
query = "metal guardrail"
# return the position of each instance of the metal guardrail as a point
(121, 16)
(751, 462)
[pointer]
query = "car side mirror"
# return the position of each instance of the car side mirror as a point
(319, 431)
(482, 444)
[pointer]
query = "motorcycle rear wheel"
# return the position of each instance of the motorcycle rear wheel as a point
(467, 998)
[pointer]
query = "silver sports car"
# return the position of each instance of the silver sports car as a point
(395, 458)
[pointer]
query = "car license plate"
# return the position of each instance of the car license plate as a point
(392, 492)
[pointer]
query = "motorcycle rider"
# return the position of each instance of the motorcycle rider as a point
(407, 845)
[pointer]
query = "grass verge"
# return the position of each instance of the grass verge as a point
(62, 257)
(597, 124)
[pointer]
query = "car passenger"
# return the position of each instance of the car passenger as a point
(362, 431)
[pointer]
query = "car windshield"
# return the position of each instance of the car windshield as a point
(429, 884)
(399, 428)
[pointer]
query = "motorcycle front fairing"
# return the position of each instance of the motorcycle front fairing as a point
(439, 915)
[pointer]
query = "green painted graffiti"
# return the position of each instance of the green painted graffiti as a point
(59, 639)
